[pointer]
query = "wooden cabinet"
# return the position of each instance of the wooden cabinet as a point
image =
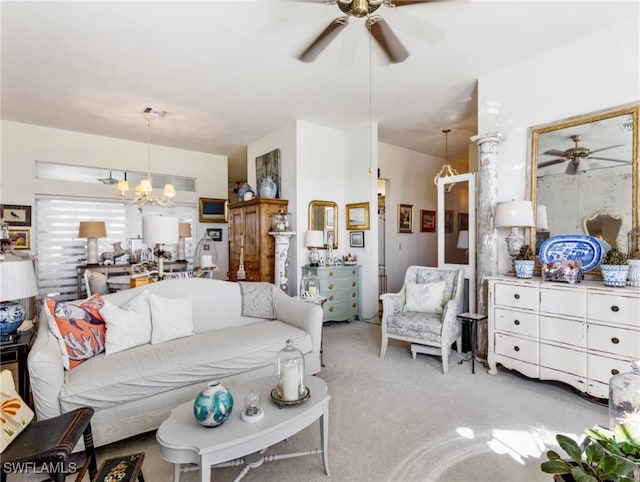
(580, 334)
(341, 286)
(250, 223)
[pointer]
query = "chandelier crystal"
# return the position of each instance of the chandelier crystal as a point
(144, 190)
(446, 170)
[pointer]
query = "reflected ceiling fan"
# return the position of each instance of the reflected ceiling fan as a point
(108, 180)
(576, 154)
(376, 25)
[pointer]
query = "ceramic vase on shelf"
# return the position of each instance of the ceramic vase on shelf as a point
(268, 188)
(524, 268)
(614, 274)
(213, 405)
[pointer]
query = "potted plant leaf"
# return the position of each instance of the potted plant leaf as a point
(524, 262)
(614, 268)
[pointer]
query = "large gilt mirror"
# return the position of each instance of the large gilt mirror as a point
(584, 175)
(323, 216)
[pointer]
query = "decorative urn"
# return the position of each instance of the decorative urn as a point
(213, 405)
(268, 188)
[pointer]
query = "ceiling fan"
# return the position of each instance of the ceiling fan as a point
(576, 154)
(376, 25)
(108, 180)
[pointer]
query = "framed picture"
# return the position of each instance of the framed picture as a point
(215, 233)
(357, 216)
(463, 222)
(20, 238)
(356, 239)
(213, 210)
(16, 215)
(448, 221)
(405, 218)
(428, 221)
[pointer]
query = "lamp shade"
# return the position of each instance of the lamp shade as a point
(92, 229)
(160, 229)
(17, 279)
(314, 239)
(463, 240)
(541, 218)
(514, 213)
(184, 231)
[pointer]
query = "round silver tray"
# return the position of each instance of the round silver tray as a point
(282, 402)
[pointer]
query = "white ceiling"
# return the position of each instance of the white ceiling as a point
(227, 72)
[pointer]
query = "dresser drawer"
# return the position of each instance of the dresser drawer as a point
(328, 285)
(622, 310)
(602, 368)
(517, 322)
(516, 296)
(617, 341)
(339, 295)
(571, 302)
(519, 348)
(564, 359)
(340, 310)
(564, 331)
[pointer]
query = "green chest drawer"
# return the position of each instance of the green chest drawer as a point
(341, 286)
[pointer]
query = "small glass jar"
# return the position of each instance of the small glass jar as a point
(282, 222)
(309, 286)
(633, 243)
(206, 256)
(290, 373)
(252, 408)
(624, 396)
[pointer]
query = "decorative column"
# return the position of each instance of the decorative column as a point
(487, 240)
(282, 259)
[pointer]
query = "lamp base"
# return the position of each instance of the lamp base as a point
(9, 337)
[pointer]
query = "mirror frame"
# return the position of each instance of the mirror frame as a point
(316, 203)
(628, 109)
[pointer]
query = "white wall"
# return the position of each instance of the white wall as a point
(23, 144)
(598, 72)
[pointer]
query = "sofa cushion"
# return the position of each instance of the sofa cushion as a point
(257, 300)
(171, 318)
(79, 329)
(422, 326)
(147, 370)
(127, 326)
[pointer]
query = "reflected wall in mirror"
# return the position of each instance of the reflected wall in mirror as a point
(585, 166)
(323, 216)
(456, 204)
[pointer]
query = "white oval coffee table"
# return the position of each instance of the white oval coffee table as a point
(184, 441)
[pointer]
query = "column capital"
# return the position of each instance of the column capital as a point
(495, 137)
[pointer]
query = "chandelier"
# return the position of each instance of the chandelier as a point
(446, 170)
(144, 189)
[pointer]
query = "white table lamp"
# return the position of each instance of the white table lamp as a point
(463, 240)
(160, 230)
(314, 240)
(92, 230)
(514, 215)
(541, 218)
(184, 231)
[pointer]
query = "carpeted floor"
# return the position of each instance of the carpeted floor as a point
(399, 419)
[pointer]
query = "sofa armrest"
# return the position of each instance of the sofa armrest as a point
(306, 316)
(46, 372)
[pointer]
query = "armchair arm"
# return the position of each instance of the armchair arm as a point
(451, 326)
(391, 303)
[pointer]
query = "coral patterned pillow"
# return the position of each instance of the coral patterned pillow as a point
(80, 329)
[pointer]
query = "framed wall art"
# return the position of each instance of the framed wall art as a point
(215, 233)
(448, 221)
(405, 218)
(213, 210)
(357, 216)
(356, 239)
(428, 221)
(463, 222)
(16, 215)
(20, 238)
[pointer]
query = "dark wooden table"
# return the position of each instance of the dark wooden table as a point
(17, 352)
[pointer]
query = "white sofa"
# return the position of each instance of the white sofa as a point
(133, 390)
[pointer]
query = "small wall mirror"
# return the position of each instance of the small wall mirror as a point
(323, 216)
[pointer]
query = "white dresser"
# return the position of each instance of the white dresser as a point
(579, 334)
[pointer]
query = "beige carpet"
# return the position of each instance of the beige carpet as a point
(399, 419)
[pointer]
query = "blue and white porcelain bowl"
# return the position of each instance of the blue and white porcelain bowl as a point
(11, 317)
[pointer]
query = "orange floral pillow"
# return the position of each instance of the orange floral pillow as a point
(80, 329)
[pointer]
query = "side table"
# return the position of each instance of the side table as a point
(17, 352)
(320, 301)
(472, 320)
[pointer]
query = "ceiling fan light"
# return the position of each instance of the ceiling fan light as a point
(169, 190)
(123, 187)
(446, 170)
(144, 187)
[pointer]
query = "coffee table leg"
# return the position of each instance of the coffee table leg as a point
(205, 470)
(176, 472)
(324, 438)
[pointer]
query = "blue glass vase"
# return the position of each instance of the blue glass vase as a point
(213, 405)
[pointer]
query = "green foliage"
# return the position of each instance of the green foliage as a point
(623, 440)
(615, 256)
(526, 254)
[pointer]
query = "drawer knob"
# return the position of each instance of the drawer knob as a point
(353, 305)
(615, 340)
(516, 348)
(330, 297)
(516, 322)
(353, 295)
(615, 309)
(614, 371)
(353, 283)
(516, 296)
(353, 272)
(331, 309)
(331, 286)
(330, 273)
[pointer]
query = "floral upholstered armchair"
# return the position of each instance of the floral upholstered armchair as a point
(424, 312)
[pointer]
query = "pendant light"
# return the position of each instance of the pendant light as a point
(446, 170)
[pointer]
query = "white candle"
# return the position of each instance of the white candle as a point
(206, 260)
(290, 382)
(313, 291)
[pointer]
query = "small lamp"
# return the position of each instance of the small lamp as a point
(541, 218)
(92, 230)
(314, 240)
(252, 408)
(463, 240)
(17, 281)
(160, 230)
(514, 214)
(184, 231)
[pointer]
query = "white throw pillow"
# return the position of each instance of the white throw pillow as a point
(170, 318)
(425, 297)
(127, 326)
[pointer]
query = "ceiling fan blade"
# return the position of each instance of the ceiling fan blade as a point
(572, 168)
(385, 37)
(605, 148)
(550, 163)
(555, 152)
(608, 159)
(323, 40)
